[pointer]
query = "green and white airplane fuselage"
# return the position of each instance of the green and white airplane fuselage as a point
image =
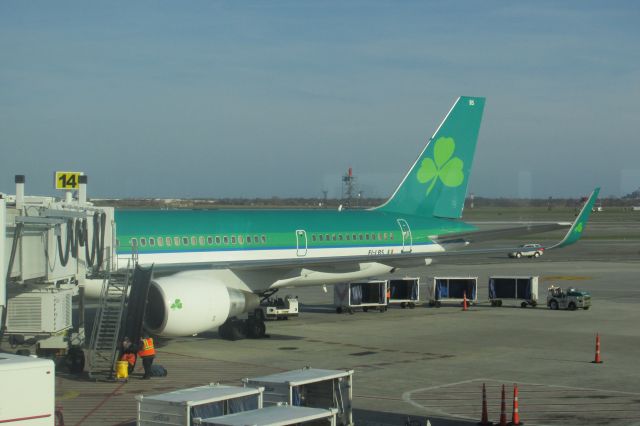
(211, 266)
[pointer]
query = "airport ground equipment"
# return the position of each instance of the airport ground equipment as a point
(27, 390)
(362, 295)
(404, 292)
(180, 407)
(310, 387)
(571, 298)
(49, 248)
(453, 289)
(275, 308)
(278, 415)
(521, 289)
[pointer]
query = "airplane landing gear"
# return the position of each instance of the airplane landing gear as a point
(237, 329)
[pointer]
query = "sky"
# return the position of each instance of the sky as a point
(279, 98)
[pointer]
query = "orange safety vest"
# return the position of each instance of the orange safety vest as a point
(129, 357)
(147, 348)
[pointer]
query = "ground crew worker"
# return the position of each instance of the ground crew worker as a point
(147, 352)
(388, 294)
(128, 354)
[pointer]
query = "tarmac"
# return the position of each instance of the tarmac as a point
(430, 363)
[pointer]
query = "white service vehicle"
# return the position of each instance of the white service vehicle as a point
(571, 298)
(279, 308)
(528, 250)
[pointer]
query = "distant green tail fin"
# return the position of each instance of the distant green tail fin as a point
(436, 185)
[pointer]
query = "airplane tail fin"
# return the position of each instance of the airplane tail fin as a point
(436, 184)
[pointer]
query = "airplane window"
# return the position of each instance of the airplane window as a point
(225, 239)
(194, 241)
(380, 235)
(152, 241)
(185, 241)
(217, 239)
(391, 235)
(386, 235)
(248, 239)
(373, 236)
(333, 237)
(176, 241)
(355, 237)
(361, 237)
(321, 237)
(366, 236)
(143, 241)
(348, 237)
(339, 237)
(239, 239)
(256, 239)
(264, 239)
(233, 239)
(209, 240)
(328, 237)
(168, 241)
(313, 237)
(160, 241)
(134, 242)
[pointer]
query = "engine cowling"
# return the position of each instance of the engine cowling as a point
(184, 304)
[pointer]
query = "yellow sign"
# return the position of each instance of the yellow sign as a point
(67, 180)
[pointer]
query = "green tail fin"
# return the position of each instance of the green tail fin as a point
(578, 226)
(436, 184)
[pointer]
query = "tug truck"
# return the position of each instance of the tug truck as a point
(571, 299)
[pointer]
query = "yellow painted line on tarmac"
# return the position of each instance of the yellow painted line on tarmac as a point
(68, 395)
(565, 278)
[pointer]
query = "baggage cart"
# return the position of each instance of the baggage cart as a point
(364, 295)
(453, 289)
(310, 387)
(404, 292)
(522, 290)
(277, 415)
(180, 407)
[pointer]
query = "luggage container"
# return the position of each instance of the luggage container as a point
(453, 289)
(310, 387)
(404, 292)
(180, 407)
(517, 289)
(363, 295)
(27, 390)
(278, 415)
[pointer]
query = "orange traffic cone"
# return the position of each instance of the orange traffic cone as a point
(485, 414)
(515, 417)
(503, 410)
(464, 301)
(597, 360)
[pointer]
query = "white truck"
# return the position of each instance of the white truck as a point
(279, 308)
(571, 298)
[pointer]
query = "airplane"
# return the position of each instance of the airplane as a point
(212, 267)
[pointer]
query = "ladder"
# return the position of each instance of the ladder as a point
(106, 327)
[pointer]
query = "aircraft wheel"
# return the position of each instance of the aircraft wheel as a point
(233, 330)
(256, 328)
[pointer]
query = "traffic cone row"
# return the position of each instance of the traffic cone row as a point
(515, 417)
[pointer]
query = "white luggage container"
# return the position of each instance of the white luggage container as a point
(404, 292)
(310, 387)
(180, 407)
(27, 390)
(453, 289)
(278, 415)
(363, 295)
(523, 290)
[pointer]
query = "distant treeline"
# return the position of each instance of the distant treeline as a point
(315, 203)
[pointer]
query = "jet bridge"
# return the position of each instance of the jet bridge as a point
(49, 248)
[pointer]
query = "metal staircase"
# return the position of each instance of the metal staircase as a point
(106, 328)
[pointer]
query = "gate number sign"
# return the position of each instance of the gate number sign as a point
(67, 180)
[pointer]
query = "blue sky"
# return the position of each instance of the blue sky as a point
(261, 99)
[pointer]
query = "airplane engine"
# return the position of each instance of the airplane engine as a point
(184, 304)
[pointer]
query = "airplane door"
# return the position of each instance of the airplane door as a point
(301, 242)
(407, 239)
